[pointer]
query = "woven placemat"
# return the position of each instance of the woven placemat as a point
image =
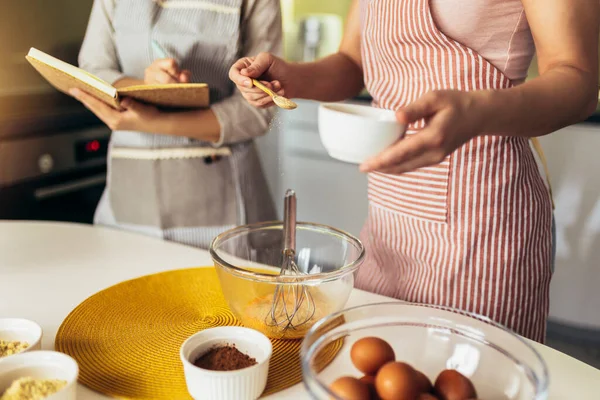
(126, 338)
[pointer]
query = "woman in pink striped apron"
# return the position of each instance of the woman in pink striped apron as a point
(459, 213)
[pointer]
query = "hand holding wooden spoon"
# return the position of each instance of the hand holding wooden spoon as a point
(270, 72)
(279, 101)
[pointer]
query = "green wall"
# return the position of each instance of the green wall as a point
(339, 7)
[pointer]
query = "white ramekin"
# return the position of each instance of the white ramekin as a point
(353, 133)
(41, 365)
(22, 330)
(243, 384)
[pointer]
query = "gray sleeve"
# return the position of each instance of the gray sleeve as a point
(261, 31)
(98, 54)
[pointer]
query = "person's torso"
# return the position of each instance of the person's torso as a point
(423, 42)
(406, 55)
(202, 37)
(474, 231)
(165, 184)
(496, 29)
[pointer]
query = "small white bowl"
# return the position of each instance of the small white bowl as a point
(242, 384)
(353, 133)
(41, 365)
(22, 330)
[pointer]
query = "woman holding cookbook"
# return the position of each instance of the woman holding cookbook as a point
(183, 176)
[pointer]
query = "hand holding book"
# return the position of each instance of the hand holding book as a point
(64, 77)
(131, 116)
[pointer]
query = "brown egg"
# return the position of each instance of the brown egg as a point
(452, 385)
(424, 383)
(397, 381)
(370, 382)
(427, 396)
(368, 379)
(349, 388)
(370, 353)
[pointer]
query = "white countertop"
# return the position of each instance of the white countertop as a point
(47, 269)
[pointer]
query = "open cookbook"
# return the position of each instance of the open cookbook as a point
(64, 76)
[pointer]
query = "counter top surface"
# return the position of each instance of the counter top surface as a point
(47, 269)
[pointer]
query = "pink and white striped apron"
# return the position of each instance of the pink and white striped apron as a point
(473, 232)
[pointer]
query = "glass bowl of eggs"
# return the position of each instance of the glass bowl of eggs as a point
(248, 262)
(411, 351)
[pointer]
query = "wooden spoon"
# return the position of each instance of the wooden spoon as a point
(280, 101)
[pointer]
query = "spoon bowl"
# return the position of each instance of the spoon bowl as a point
(280, 101)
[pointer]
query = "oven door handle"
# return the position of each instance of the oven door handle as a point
(70, 187)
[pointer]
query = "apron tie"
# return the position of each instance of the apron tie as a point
(538, 148)
(169, 154)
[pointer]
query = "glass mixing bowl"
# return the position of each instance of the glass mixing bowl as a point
(501, 364)
(248, 261)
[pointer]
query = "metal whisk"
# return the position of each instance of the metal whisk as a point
(293, 304)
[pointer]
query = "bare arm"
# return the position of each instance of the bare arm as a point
(566, 38)
(566, 92)
(336, 77)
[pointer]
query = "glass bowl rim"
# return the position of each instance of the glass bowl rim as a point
(289, 280)
(306, 351)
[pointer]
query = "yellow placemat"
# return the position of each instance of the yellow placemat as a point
(126, 338)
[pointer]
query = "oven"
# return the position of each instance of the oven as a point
(52, 170)
(52, 149)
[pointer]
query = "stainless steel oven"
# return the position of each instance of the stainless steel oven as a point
(52, 150)
(53, 172)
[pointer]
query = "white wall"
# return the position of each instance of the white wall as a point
(268, 150)
(329, 192)
(574, 164)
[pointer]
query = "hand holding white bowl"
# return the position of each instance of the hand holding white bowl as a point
(354, 133)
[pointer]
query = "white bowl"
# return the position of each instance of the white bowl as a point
(22, 330)
(41, 365)
(242, 384)
(353, 133)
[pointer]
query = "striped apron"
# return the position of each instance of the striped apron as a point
(473, 232)
(171, 187)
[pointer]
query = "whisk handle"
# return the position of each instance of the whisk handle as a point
(289, 221)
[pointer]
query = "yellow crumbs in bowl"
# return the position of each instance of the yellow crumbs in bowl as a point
(32, 389)
(257, 315)
(8, 348)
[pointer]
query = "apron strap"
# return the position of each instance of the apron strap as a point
(538, 149)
